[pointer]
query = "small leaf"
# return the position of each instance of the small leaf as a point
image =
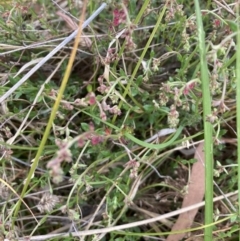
(139, 80)
(232, 25)
(122, 73)
(89, 88)
(85, 126)
(148, 108)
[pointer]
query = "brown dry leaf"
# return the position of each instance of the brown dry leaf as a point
(196, 190)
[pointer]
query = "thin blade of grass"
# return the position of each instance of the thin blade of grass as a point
(208, 147)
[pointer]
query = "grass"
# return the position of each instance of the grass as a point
(102, 148)
(208, 132)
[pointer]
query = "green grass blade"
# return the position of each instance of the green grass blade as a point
(208, 146)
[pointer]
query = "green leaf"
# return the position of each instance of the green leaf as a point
(122, 73)
(148, 108)
(139, 80)
(232, 25)
(85, 126)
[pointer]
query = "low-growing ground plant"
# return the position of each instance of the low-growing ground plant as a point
(126, 144)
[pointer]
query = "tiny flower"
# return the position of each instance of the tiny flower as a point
(111, 56)
(191, 25)
(212, 118)
(155, 64)
(66, 105)
(103, 116)
(132, 164)
(91, 126)
(169, 15)
(178, 102)
(81, 142)
(7, 132)
(25, 10)
(133, 173)
(216, 23)
(54, 164)
(173, 117)
(105, 106)
(47, 203)
(53, 93)
(166, 88)
(119, 16)
(56, 172)
(100, 79)
(95, 140)
(115, 110)
(4, 191)
(91, 98)
(103, 89)
(64, 209)
(146, 78)
(185, 35)
(61, 143)
(179, 10)
(163, 99)
(222, 107)
(186, 106)
(130, 45)
(73, 215)
(114, 98)
(177, 94)
(80, 102)
(65, 154)
(57, 176)
(88, 187)
(188, 88)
